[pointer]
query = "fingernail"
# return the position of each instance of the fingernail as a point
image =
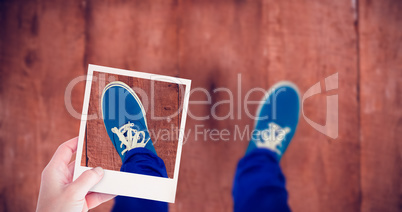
(99, 171)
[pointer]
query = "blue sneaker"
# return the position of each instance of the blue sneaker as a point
(124, 118)
(277, 118)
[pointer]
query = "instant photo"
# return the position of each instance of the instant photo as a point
(130, 118)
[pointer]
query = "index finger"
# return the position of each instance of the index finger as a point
(65, 151)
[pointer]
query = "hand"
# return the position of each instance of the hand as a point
(58, 192)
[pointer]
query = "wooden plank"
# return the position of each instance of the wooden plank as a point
(301, 41)
(41, 51)
(100, 150)
(164, 122)
(135, 35)
(306, 42)
(218, 41)
(381, 114)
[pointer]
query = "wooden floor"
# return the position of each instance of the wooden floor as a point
(238, 45)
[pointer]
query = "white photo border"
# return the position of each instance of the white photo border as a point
(129, 184)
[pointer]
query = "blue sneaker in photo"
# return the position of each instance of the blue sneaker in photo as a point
(124, 119)
(277, 118)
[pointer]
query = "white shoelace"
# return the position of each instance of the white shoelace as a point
(272, 137)
(132, 137)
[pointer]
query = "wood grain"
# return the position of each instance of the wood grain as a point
(381, 112)
(218, 41)
(267, 42)
(308, 41)
(41, 51)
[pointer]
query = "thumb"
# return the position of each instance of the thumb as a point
(85, 181)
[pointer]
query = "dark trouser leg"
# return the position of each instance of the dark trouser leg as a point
(141, 161)
(259, 184)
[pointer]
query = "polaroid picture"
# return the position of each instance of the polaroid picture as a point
(132, 125)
